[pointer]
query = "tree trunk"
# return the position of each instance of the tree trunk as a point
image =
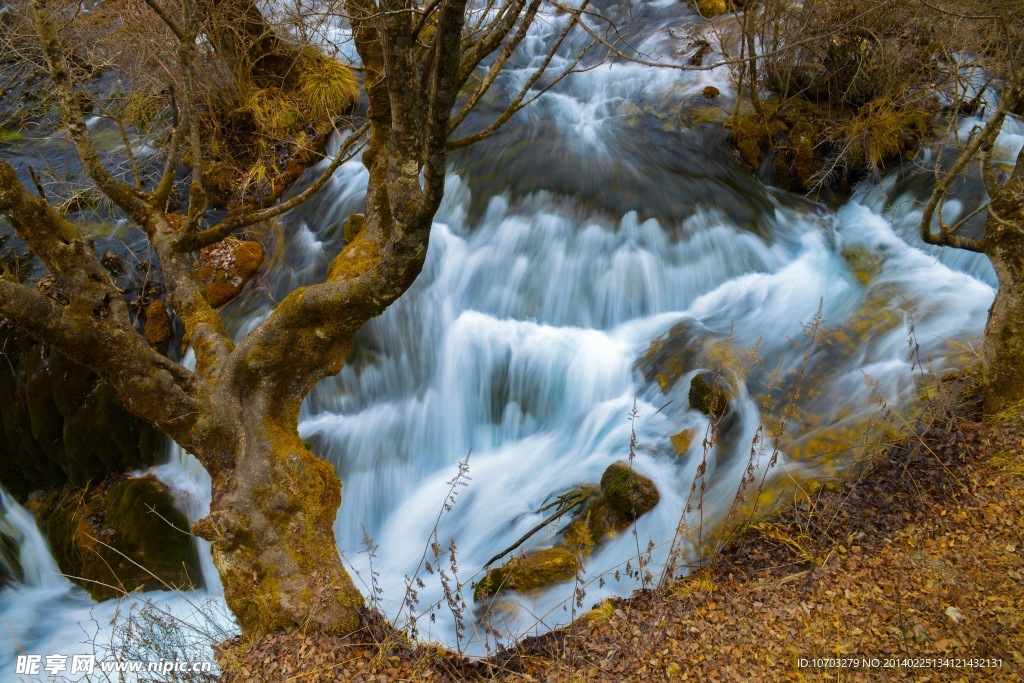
(271, 530)
(1003, 367)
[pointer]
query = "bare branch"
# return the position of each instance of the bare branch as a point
(167, 19)
(518, 101)
(126, 197)
(978, 143)
(193, 241)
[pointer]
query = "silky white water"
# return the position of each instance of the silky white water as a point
(564, 246)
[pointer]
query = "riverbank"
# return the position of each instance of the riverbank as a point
(920, 557)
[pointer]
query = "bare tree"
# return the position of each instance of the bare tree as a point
(274, 501)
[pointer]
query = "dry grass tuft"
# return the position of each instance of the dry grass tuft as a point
(328, 87)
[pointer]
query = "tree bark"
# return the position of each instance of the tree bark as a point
(271, 531)
(1003, 366)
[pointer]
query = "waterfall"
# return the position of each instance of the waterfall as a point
(597, 220)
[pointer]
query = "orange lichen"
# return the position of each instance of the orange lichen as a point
(225, 268)
(158, 325)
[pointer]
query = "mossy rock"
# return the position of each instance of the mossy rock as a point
(157, 327)
(529, 573)
(682, 441)
(123, 536)
(624, 496)
(863, 263)
(711, 8)
(710, 92)
(627, 494)
(708, 394)
(671, 355)
(60, 424)
(226, 267)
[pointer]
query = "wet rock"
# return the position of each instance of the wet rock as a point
(709, 394)
(682, 441)
(863, 263)
(122, 536)
(158, 326)
(625, 496)
(710, 92)
(114, 264)
(671, 355)
(530, 572)
(225, 268)
(59, 423)
(711, 8)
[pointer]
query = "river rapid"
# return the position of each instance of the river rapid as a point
(598, 219)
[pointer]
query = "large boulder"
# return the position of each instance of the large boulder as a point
(59, 423)
(122, 536)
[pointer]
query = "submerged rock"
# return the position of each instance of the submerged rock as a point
(682, 441)
(122, 536)
(671, 355)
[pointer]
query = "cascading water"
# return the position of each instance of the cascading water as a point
(596, 221)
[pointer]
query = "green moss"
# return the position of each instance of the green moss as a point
(579, 535)
(627, 493)
(531, 572)
(121, 537)
(708, 395)
(682, 441)
(711, 8)
(670, 356)
(752, 136)
(8, 135)
(353, 226)
(803, 136)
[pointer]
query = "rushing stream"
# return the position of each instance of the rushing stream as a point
(597, 220)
